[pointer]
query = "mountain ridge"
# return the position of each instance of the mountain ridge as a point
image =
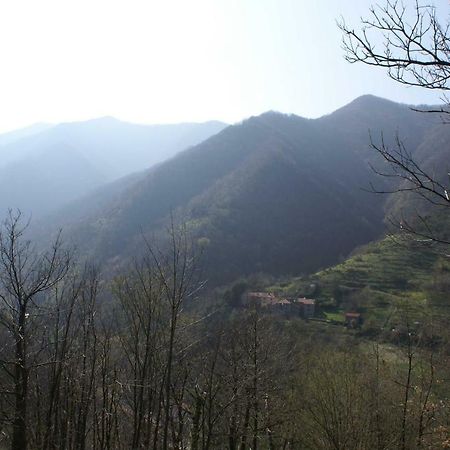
(29, 169)
(276, 193)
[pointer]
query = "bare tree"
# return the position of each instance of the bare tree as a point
(139, 331)
(176, 269)
(413, 46)
(25, 275)
(410, 178)
(151, 298)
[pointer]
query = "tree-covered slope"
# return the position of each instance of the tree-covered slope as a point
(275, 193)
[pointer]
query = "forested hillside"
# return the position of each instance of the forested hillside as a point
(277, 193)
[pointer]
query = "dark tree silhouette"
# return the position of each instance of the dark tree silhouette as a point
(413, 46)
(25, 274)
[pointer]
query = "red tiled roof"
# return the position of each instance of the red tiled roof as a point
(267, 298)
(261, 294)
(282, 301)
(306, 301)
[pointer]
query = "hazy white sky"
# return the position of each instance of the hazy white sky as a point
(158, 61)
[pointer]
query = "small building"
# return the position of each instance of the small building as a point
(270, 303)
(258, 298)
(291, 307)
(280, 306)
(353, 319)
(306, 307)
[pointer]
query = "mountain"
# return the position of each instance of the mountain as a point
(276, 193)
(9, 152)
(15, 135)
(43, 168)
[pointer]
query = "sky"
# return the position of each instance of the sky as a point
(167, 61)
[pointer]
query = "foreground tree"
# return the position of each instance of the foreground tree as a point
(413, 46)
(25, 276)
(411, 43)
(150, 300)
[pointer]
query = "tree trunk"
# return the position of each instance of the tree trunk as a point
(19, 438)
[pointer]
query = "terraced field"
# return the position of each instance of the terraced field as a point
(391, 266)
(385, 281)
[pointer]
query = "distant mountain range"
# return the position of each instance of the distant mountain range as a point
(276, 193)
(43, 167)
(15, 135)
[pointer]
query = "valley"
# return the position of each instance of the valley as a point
(225, 225)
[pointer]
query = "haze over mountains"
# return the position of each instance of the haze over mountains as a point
(276, 193)
(44, 167)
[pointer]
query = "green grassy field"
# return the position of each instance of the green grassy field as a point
(386, 281)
